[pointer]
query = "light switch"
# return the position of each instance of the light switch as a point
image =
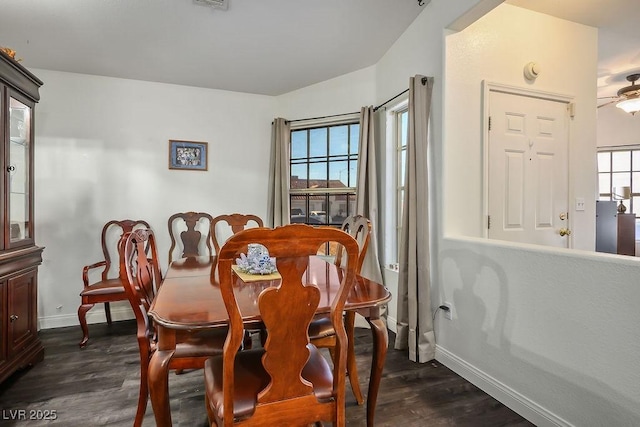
(579, 203)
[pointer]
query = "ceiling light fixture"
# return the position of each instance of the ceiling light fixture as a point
(631, 103)
(216, 4)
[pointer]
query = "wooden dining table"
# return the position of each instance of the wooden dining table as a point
(189, 299)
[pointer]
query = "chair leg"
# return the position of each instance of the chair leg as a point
(107, 311)
(352, 369)
(82, 317)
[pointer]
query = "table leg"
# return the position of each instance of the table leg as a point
(380, 344)
(159, 386)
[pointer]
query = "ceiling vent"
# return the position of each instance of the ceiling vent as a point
(217, 4)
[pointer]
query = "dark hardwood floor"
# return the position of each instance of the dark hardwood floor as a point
(98, 386)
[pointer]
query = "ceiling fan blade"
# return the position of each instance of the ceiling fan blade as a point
(608, 103)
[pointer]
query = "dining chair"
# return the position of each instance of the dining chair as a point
(186, 231)
(320, 330)
(224, 226)
(287, 381)
(110, 286)
(143, 279)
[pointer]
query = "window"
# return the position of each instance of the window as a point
(324, 171)
(397, 135)
(619, 168)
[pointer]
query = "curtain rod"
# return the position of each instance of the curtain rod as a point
(423, 80)
(323, 117)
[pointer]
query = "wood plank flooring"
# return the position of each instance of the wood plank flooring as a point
(98, 386)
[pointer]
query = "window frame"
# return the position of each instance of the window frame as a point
(633, 167)
(328, 192)
(396, 149)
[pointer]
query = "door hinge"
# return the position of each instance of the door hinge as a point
(488, 222)
(489, 122)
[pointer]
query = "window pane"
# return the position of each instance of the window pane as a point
(604, 162)
(620, 179)
(354, 138)
(403, 168)
(298, 144)
(353, 174)
(299, 173)
(298, 208)
(338, 140)
(635, 207)
(339, 171)
(636, 160)
(404, 129)
(338, 208)
(635, 182)
(318, 175)
(604, 183)
(318, 142)
(621, 161)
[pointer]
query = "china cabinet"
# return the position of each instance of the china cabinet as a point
(19, 255)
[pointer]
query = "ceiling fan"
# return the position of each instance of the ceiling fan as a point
(628, 98)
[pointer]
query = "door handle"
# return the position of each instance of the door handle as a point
(564, 232)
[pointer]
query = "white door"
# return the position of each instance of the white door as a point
(528, 169)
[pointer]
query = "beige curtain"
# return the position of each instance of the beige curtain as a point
(415, 324)
(278, 208)
(367, 191)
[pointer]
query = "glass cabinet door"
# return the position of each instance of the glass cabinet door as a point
(18, 173)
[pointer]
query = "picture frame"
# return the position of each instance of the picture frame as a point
(188, 155)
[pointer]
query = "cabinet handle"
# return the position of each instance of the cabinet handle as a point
(11, 168)
(13, 317)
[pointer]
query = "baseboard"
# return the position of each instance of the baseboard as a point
(392, 324)
(95, 315)
(528, 409)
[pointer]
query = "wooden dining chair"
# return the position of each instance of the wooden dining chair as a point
(224, 226)
(288, 381)
(320, 330)
(190, 234)
(143, 279)
(110, 286)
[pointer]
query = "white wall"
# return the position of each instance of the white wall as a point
(617, 128)
(495, 49)
(102, 153)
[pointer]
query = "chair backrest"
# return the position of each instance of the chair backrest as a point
(110, 238)
(359, 228)
(143, 278)
(286, 311)
(225, 226)
(190, 242)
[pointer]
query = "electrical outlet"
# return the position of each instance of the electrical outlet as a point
(448, 314)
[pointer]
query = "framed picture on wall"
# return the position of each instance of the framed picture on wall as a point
(188, 155)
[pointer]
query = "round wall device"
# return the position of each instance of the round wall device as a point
(531, 71)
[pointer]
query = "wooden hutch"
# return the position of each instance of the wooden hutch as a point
(19, 255)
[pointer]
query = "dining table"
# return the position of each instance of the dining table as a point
(189, 299)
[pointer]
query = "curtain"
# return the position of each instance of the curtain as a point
(367, 191)
(414, 323)
(278, 201)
